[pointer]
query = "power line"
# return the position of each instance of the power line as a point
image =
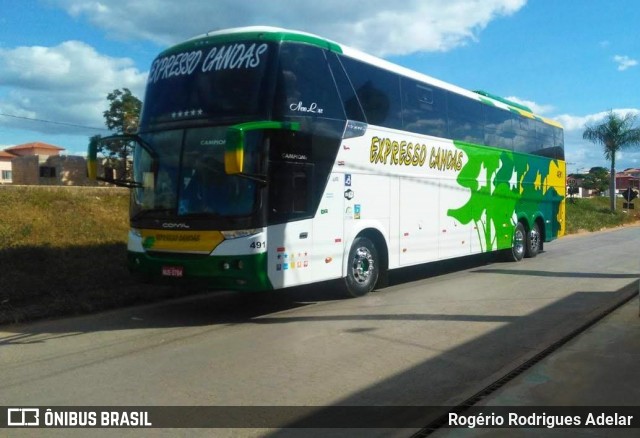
(53, 122)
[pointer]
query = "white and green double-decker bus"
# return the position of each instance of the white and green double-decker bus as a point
(269, 158)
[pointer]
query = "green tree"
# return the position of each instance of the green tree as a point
(124, 111)
(597, 179)
(615, 133)
(122, 117)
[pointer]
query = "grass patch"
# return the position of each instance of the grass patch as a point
(63, 252)
(593, 214)
(60, 217)
(63, 249)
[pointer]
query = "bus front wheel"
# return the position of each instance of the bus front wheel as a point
(363, 267)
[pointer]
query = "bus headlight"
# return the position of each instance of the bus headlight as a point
(239, 233)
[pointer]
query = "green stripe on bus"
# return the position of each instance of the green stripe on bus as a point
(487, 101)
(254, 36)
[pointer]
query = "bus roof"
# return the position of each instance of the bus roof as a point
(278, 34)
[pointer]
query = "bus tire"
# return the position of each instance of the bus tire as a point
(518, 244)
(363, 267)
(534, 240)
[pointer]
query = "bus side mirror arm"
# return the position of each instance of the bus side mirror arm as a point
(92, 160)
(235, 145)
(259, 178)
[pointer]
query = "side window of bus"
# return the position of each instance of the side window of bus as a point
(423, 108)
(345, 88)
(466, 120)
(525, 135)
(305, 86)
(558, 138)
(378, 91)
(499, 131)
(545, 140)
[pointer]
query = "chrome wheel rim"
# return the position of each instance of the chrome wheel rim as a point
(535, 239)
(518, 242)
(362, 265)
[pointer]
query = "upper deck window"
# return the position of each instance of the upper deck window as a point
(378, 91)
(423, 108)
(305, 85)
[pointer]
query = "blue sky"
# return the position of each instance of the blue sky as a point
(569, 60)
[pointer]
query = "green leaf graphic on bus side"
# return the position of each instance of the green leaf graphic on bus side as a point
(504, 186)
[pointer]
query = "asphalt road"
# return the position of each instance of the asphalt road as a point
(436, 336)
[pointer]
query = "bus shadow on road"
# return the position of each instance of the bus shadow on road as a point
(189, 308)
(434, 269)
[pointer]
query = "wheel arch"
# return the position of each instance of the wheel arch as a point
(525, 221)
(539, 220)
(529, 220)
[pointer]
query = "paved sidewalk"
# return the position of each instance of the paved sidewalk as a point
(600, 367)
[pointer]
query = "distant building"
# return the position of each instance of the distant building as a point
(41, 164)
(36, 148)
(576, 181)
(5, 167)
(625, 179)
(628, 178)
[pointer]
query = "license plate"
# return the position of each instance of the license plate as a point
(172, 271)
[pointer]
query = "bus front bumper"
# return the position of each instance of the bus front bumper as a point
(243, 273)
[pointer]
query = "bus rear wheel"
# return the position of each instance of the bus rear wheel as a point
(362, 267)
(534, 241)
(518, 244)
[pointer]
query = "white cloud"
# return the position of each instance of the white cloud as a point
(582, 154)
(578, 123)
(537, 108)
(66, 82)
(624, 62)
(380, 27)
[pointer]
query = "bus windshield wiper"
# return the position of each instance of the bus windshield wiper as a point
(196, 215)
(149, 212)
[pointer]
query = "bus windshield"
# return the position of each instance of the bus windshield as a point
(222, 81)
(182, 174)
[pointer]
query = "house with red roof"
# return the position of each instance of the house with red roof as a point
(35, 148)
(628, 178)
(39, 163)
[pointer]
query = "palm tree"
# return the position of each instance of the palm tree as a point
(614, 133)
